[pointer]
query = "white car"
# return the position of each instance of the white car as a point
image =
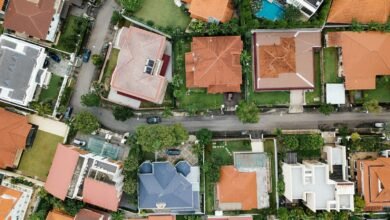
(79, 142)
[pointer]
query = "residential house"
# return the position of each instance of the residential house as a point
(3, 7)
(56, 215)
(78, 174)
(38, 19)
(363, 11)
(14, 200)
(164, 188)
(320, 186)
(141, 70)
(211, 10)
(284, 59)
(22, 70)
(373, 179)
(83, 214)
(307, 7)
(237, 217)
(214, 63)
(363, 56)
(245, 185)
(14, 131)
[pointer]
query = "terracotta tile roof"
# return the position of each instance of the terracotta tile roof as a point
(8, 198)
(249, 217)
(374, 183)
(364, 11)
(54, 215)
(364, 55)
(1, 4)
(100, 194)
(32, 17)
(221, 10)
(14, 129)
(284, 59)
(237, 187)
(161, 217)
(61, 171)
(87, 214)
(136, 46)
(214, 63)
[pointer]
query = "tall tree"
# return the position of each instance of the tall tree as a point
(204, 136)
(85, 122)
(248, 112)
(122, 113)
(90, 99)
(131, 6)
(372, 106)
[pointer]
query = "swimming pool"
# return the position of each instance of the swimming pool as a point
(270, 11)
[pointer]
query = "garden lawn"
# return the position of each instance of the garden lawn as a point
(314, 97)
(226, 153)
(330, 61)
(269, 148)
(36, 161)
(163, 13)
(110, 66)
(69, 31)
(51, 93)
(382, 91)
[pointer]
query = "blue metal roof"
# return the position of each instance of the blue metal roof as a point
(146, 167)
(183, 167)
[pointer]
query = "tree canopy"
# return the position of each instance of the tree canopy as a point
(131, 5)
(247, 112)
(122, 113)
(155, 137)
(204, 136)
(85, 122)
(372, 106)
(90, 99)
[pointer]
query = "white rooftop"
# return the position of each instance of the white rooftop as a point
(335, 93)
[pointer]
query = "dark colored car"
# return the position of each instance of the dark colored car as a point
(68, 112)
(54, 57)
(46, 63)
(153, 119)
(173, 152)
(86, 55)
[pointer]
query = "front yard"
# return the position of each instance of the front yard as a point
(72, 34)
(191, 100)
(36, 161)
(51, 93)
(163, 13)
(330, 61)
(314, 97)
(382, 91)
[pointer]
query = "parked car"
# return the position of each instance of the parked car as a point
(173, 152)
(68, 112)
(79, 142)
(54, 57)
(86, 55)
(46, 63)
(153, 119)
(379, 124)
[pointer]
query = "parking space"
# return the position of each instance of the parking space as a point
(61, 68)
(185, 154)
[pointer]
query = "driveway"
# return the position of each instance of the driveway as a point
(95, 43)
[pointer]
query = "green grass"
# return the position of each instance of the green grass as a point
(269, 148)
(73, 26)
(163, 13)
(314, 97)
(382, 91)
(36, 161)
(53, 89)
(209, 193)
(195, 99)
(330, 61)
(231, 146)
(110, 66)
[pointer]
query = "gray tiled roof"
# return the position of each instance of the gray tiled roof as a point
(16, 69)
(166, 185)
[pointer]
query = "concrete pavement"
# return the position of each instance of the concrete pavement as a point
(95, 43)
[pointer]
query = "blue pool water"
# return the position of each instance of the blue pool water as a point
(270, 11)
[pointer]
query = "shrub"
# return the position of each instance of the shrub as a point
(90, 99)
(247, 112)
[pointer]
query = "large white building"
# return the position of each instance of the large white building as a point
(22, 71)
(321, 186)
(307, 7)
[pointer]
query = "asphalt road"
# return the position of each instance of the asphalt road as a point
(95, 43)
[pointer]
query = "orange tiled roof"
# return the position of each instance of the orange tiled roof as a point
(375, 184)
(54, 215)
(14, 129)
(214, 63)
(364, 11)
(365, 55)
(100, 194)
(87, 214)
(8, 199)
(221, 10)
(237, 187)
(32, 17)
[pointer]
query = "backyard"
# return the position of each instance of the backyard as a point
(382, 91)
(314, 97)
(269, 148)
(36, 161)
(163, 13)
(72, 34)
(330, 61)
(50, 94)
(194, 99)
